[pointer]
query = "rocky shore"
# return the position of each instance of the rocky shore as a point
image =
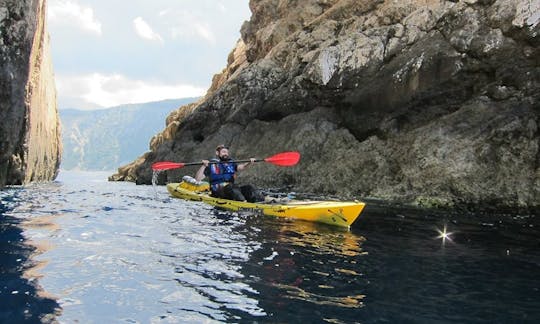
(429, 102)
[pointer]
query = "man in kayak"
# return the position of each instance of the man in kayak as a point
(222, 172)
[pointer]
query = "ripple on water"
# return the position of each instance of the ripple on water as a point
(120, 252)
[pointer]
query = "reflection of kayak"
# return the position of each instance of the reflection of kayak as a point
(336, 213)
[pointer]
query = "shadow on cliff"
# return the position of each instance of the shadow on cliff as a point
(20, 297)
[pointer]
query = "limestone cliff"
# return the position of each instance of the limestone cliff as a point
(423, 101)
(30, 145)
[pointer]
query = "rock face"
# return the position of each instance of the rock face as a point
(30, 145)
(422, 101)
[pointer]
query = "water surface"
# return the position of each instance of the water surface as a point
(84, 250)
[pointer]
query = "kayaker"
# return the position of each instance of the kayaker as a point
(222, 172)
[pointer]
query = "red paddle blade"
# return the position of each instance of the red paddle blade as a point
(161, 166)
(284, 159)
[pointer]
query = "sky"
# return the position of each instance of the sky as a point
(110, 52)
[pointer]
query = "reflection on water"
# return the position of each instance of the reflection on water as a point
(304, 270)
(116, 252)
(292, 292)
(320, 242)
(321, 239)
(21, 297)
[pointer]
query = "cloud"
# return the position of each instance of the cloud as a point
(183, 24)
(194, 30)
(116, 65)
(115, 89)
(143, 29)
(205, 32)
(68, 12)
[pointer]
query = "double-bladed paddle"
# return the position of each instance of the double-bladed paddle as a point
(280, 159)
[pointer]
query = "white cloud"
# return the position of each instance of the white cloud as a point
(69, 12)
(188, 26)
(205, 32)
(88, 68)
(194, 30)
(143, 29)
(115, 89)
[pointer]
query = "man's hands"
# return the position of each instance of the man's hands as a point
(242, 167)
(200, 173)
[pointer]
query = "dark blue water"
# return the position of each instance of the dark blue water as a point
(85, 250)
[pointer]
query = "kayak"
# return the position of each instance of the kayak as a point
(337, 213)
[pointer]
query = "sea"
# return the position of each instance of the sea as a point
(85, 250)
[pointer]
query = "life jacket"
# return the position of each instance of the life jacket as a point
(221, 173)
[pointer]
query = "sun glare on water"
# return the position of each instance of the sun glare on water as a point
(444, 235)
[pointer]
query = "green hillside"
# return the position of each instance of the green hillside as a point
(106, 139)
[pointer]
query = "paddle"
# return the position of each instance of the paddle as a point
(280, 159)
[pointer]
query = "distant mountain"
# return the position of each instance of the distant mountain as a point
(108, 138)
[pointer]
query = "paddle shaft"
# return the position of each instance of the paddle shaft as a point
(216, 162)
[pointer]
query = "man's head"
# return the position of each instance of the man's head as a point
(222, 152)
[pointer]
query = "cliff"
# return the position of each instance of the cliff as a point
(422, 101)
(30, 145)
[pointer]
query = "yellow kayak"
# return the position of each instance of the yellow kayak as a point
(336, 213)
